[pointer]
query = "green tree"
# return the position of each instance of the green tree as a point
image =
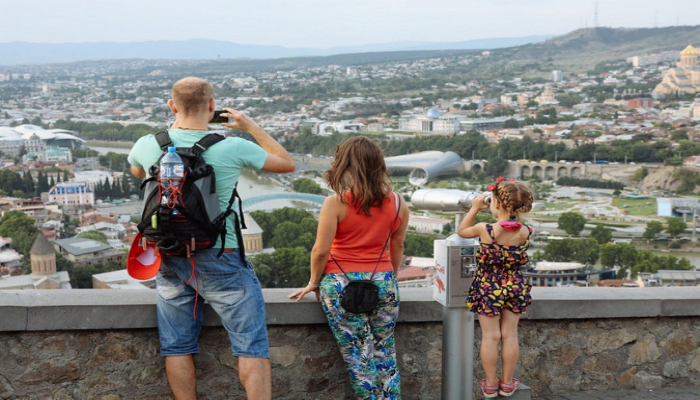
(647, 261)
(571, 222)
(94, 235)
(292, 234)
(675, 226)
(620, 256)
(584, 251)
(28, 183)
(16, 225)
(10, 181)
(617, 255)
(305, 185)
(269, 221)
(286, 267)
(653, 229)
(511, 123)
(295, 266)
(602, 234)
(679, 134)
(42, 183)
(81, 277)
(418, 245)
(496, 166)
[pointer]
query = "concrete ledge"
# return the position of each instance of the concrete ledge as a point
(13, 312)
(38, 310)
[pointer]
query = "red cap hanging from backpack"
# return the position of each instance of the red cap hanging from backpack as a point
(144, 259)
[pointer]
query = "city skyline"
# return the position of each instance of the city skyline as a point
(323, 24)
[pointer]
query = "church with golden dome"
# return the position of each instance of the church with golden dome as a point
(684, 78)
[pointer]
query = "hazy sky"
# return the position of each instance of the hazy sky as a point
(323, 23)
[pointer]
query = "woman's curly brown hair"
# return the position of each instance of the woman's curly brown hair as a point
(359, 168)
(515, 197)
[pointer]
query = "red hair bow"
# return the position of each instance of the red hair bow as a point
(492, 186)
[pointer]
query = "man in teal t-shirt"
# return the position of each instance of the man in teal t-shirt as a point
(227, 283)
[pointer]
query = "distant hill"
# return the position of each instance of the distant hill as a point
(16, 53)
(531, 56)
(583, 48)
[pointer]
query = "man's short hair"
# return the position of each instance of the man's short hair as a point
(192, 95)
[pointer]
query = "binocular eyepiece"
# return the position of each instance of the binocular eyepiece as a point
(446, 200)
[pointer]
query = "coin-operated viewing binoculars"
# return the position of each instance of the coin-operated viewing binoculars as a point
(455, 266)
(455, 256)
(446, 200)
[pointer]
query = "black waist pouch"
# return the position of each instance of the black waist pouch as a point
(360, 297)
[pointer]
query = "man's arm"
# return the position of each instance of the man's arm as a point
(278, 159)
(138, 172)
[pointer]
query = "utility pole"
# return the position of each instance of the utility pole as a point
(595, 15)
(656, 24)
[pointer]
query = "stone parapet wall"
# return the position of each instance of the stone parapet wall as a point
(102, 344)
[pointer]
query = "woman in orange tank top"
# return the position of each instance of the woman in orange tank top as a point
(355, 225)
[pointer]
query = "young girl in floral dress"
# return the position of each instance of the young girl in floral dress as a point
(499, 293)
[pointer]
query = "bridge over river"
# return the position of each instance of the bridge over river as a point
(547, 170)
(304, 197)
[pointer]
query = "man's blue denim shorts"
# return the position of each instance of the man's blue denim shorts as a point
(230, 287)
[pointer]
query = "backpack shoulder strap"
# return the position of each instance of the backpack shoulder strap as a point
(163, 139)
(207, 141)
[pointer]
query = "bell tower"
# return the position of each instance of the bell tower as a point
(43, 257)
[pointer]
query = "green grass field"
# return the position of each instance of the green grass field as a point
(642, 207)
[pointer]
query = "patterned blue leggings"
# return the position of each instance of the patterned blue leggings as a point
(366, 341)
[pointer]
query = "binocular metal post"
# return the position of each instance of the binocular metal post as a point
(455, 266)
(457, 353)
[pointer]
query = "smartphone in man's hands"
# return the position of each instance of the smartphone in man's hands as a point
(218, 119)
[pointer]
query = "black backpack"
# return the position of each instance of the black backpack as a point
(198, 221)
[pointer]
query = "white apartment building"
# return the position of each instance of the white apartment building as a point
(429, 125)
(72, 194)
(557, 76)
(425, 224)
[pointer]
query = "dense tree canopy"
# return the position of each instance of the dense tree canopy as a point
(675, 226)
(18, 226)
(653, 228)
(584, 251)
(602, 234)
(630, 262)
(418, 245)
(268, 222)
(571, 222)
(292, 232)
(305, 185)
(94, 235)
